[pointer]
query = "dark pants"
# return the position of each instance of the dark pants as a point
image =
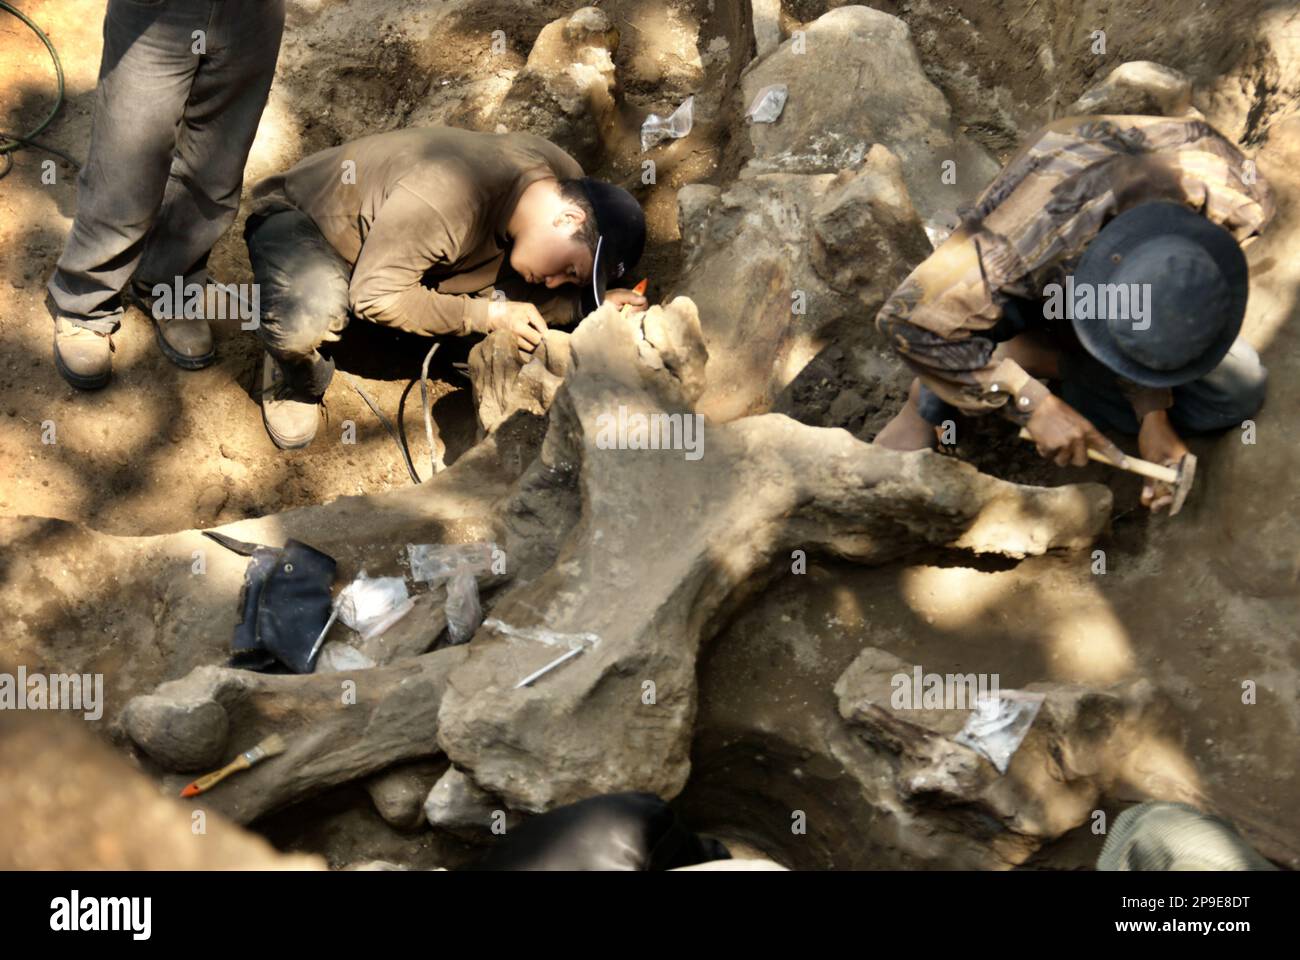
(303, 290)
(170, 137)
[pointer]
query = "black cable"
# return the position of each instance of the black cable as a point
(401, 424)
(13, 142)
(388, 425)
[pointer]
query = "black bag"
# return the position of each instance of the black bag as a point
(285, 603)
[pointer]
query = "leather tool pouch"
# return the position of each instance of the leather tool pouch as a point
(284, 604)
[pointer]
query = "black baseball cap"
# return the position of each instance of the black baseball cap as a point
(620, 237)
(1198, 282)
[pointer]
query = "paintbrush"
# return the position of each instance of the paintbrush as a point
(269, 747)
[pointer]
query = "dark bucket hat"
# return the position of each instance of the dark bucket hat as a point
(620, 224)
(1198, 283)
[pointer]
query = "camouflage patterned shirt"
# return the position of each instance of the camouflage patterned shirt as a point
(1031, 225)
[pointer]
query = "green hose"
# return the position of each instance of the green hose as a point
(12, 142)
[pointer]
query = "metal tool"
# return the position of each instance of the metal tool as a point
(537, 674)
(1180, 477)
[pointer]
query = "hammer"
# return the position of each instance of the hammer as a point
(1180, 477)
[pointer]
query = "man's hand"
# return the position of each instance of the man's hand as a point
(622, 298)
(1159, 443)
(522, 319)
(1063, 435)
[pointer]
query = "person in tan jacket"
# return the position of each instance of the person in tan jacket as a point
(425, 230)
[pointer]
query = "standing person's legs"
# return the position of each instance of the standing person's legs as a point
(241, 43)
(144, 81)
(303, 290)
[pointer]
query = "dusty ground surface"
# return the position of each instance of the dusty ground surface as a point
(1199, 604)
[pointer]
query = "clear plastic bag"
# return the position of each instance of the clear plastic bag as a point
(997, 725)
(464, 612)
(940, 227)
(672, 127)
(339, 657)
(768, 104)
(372, 605)
(434, 562)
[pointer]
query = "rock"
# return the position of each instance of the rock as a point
(823, 252)
(847, 407)
(678, 540)
(337, 727)
(565, 92)
(414, 634)
(454, 802)
(504, 384)
(190, 737)
(1139, 87)
(695, 205)
(398, 793)
(1083, 742)
(766, 15)
(877, 92)
(590, 26)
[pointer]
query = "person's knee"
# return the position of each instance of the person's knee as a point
(295, 329)
(1232, 392)
(303, 285)
(1252, 386)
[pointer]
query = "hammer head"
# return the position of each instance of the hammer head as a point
(1183, 486)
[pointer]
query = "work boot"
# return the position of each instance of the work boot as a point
(290, 418)
(185, 341)
(82, 356)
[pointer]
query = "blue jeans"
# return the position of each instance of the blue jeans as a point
(1230, 393)
(170, 137)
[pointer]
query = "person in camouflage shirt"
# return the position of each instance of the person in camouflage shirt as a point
(1106, 257)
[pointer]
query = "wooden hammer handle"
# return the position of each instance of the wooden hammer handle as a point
(1144, 468)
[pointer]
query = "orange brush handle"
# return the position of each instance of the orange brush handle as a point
(210, 780)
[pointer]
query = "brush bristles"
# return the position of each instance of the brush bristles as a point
(270, 746)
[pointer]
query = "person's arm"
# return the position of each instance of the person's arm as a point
(407, 237)
(938, 321)
(1145, 400)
